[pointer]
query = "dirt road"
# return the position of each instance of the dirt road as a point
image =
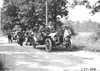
(25, 58)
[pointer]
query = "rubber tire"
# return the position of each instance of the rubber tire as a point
(68, 46)
(48, 41)
(33, 44)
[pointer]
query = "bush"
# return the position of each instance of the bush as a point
(98, 35)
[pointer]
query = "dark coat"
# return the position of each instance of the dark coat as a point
(21, 34)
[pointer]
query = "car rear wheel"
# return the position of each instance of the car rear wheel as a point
(68, 46)
(48, 43)
(33, 43)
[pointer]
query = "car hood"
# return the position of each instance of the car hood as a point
(52, 34)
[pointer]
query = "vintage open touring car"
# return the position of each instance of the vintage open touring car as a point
(52, 39)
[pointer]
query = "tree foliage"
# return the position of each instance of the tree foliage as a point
(96, 7)
(29, 13)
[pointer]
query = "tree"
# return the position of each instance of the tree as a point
(29, 13)
(57, 7)
(96, 7)
(9, 14)
(32, 12)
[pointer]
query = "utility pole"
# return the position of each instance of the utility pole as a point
(46, 12)
(0, 20)
(1, 5)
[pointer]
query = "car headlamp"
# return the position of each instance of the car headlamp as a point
(55, 38)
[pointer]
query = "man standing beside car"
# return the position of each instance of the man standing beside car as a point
(9, 36)
(28, 36)
(21, 37)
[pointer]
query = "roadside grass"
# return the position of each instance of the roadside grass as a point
(86, 43)
(82, 42)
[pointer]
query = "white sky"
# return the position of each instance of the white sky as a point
(1, 3)
(81, 13)
(92, 2)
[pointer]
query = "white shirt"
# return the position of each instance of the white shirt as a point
(49, 26)
(66, 33)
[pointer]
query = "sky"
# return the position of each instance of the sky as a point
(81, 13)
(1, 3)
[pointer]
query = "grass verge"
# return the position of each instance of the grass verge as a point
(86, 43)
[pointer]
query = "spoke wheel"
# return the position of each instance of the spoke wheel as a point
(48, 44)
(33, 43)
(68, 46)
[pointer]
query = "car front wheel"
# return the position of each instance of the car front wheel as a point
(48, 43)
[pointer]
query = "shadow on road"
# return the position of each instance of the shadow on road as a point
(62, 49)
(3, 63)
